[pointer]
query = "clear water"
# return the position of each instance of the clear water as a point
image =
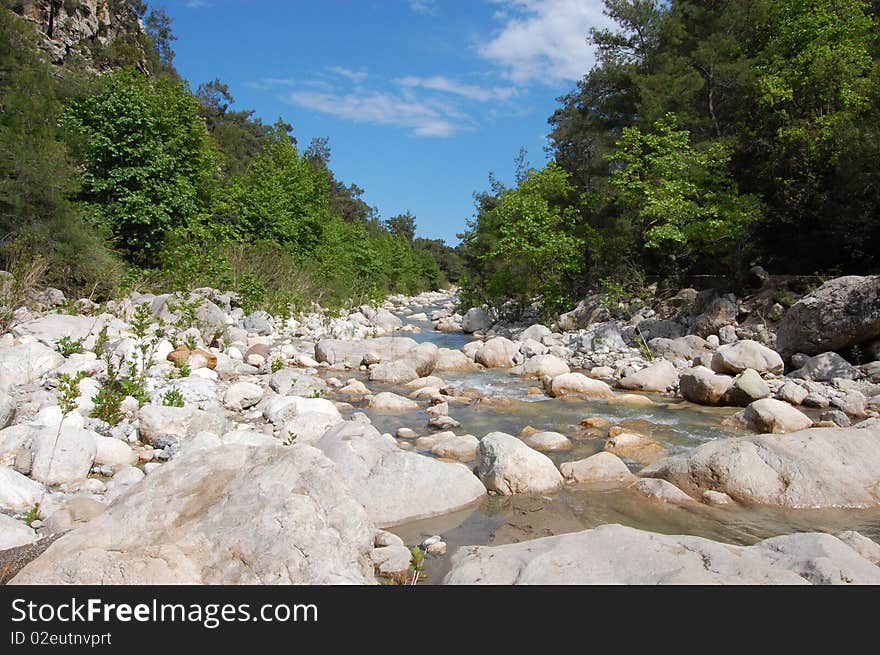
(679, 426)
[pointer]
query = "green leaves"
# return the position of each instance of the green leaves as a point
(528, 243)
(679, 197)
(149, 165)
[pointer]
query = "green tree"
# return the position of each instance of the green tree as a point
(148, 164)
(281, 197)
(37, 175)
(680, 199)
(403, 225)
(531, 248)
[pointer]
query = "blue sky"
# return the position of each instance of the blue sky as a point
(420, 98)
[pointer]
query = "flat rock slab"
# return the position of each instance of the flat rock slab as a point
(396, 486)
(229, 515)
(351, 353)
(816, 467)
(614, 554)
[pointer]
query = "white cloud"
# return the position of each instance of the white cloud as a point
(469, 91)
(423, 7)
(197, 4)
(545, 39)
(353, 75)
(423, 117)
(270, 83)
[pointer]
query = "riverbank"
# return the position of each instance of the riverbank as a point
(322, 448)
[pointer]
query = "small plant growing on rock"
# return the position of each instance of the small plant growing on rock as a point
(181, 370)
(191, 342)
(67, 346)
(33, 514)
(100, 340)
(276, 365)
(417, 564)
(173, 398)
(68, 389)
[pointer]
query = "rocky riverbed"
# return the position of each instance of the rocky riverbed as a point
(700, 437)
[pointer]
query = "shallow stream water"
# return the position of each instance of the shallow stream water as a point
(678, 425)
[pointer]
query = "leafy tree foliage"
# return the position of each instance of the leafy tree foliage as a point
(148, 164)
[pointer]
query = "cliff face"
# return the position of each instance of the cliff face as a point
(84, 29)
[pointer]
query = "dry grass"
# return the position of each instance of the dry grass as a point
(28, 273)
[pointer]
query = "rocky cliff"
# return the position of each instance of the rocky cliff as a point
(99, 33)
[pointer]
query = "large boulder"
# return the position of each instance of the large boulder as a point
(659, 376)
(579, 384)
(476, 319)
(716, 314)
(454, 360)
(17, 492)
(701, 385)
(351, 353)
(601, 467)
(391, 402)
(180, 422)
(508, 466)
(747, 387)
(26, 363)
(396, 372)
(293, 382)
(841, 313)
(737, 357)
(825, 367)
(386, 321)
(770, 415)
(63, 455)
(52, 327)
(183, 525)
(542, 366)
(816, 467)
(589, 311)
(685, 348)
(14, 533)
(614, 554)
(497, 352)
(397, 486)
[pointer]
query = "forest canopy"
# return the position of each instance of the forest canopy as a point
(711, 136)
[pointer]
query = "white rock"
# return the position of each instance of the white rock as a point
(580, 384)
(15, 533)
(183, 525)
(391, 402)
(601, 467)
(63, 456)
(241, 395)
(17, 492)
(508, 466)
(614, 554)
(396, 486)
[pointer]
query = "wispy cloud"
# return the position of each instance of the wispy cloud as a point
(197, 4)
(427, 7)
(268, 83)
(469, 91)
(353, 75)
(544, 39)
(422, 117)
